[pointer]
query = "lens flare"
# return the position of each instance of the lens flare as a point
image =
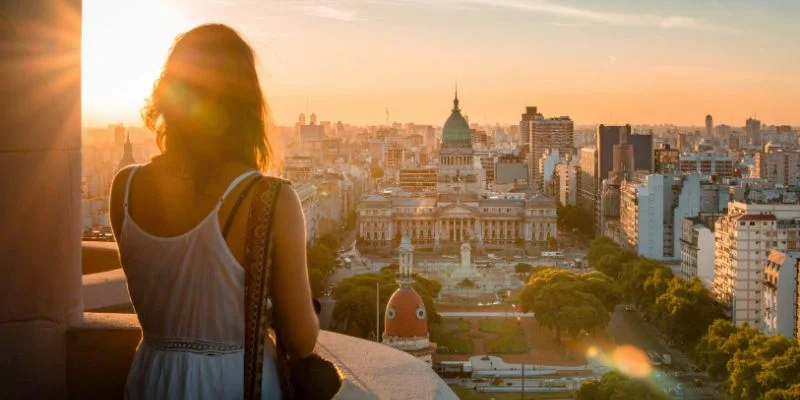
(631, 361)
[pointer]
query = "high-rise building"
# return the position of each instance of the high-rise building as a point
(709, 126)
(525, 128)
(781, 167)
(548, 134)
(753, 131)
(743, 239)
(607, 137)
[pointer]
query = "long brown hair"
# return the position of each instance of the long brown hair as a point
(207, 106)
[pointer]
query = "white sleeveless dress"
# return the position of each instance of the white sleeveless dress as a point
(188, 292)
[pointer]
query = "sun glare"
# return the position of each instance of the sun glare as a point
(124, 47)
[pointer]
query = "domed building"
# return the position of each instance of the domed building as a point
(406, 320)
(460, 170)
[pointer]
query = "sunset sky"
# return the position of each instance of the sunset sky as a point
(611, 61)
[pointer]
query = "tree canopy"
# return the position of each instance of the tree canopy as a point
(755, 366)
(616, 386)
(568, 302)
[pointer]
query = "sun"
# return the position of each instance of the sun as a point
(125, 44)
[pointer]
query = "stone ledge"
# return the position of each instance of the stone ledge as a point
(99, 257)
(105, 290)
(100, 351)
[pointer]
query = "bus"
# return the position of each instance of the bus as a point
(553, 254)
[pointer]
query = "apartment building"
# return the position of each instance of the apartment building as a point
(778, 166)
(779, 309)
(743, 239)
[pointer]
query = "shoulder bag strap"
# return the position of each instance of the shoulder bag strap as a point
(258, 265)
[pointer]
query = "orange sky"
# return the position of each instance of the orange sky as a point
(619, 62)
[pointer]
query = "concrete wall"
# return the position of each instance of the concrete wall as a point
(40, 193)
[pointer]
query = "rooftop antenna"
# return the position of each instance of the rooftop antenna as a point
(387, 115)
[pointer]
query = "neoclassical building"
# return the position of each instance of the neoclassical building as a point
(461, 211)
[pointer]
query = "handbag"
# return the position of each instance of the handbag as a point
(313, 377)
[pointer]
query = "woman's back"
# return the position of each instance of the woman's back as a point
(184, 281)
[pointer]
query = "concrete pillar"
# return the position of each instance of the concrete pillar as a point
(40, 193)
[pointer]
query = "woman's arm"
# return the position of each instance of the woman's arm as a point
(291, 293)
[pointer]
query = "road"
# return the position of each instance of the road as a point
(627, 327)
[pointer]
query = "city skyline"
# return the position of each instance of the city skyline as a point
(616, 62)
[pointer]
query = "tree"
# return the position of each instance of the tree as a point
(792, 393)
(616, 386)
(317, 282)
(562, 302)
(321, 257)
(685, 310)
(604, 288)
(330, 241)
(711, 353)
(523, 268)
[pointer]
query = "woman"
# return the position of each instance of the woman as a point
(185, 276)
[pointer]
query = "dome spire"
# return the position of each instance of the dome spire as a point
(455, 100)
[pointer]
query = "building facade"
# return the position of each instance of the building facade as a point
(708, 164)
(548, 134)
(743, 237)
(779, 308)
(697, 252)
(433, 221)
(781, 167)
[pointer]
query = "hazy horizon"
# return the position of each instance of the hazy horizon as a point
(617, 62)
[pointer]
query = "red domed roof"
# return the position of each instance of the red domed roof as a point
(406, 316)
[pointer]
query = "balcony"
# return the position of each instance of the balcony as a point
(101, 348)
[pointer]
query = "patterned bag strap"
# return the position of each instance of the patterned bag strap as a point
(258, 263)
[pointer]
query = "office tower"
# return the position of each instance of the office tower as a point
(709, 126)
(525, 128)
(607, 137)
(548, 134)
(753, 131)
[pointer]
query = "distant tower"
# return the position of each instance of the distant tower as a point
(301, 120)
(406, 320)
(127, 154)
(709, 126)
(387, 115)
(313, 119)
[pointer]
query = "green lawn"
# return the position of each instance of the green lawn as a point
(511, 339)
(469, 394)
(444, 335)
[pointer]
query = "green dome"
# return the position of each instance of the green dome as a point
(456, 131)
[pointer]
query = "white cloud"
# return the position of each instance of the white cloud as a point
(329, 12)
(552, 8)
